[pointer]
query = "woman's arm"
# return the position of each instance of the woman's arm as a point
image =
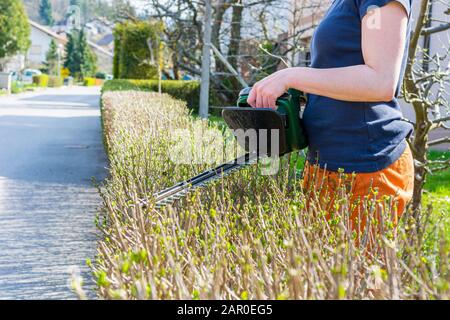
(376, 80)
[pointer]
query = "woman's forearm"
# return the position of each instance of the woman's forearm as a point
(355, 83)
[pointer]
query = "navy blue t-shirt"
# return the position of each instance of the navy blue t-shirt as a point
(354, 136)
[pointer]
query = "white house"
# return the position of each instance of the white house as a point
(40, 37)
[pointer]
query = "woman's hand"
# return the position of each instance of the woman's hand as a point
(265, 92)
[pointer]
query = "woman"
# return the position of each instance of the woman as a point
(352, 118)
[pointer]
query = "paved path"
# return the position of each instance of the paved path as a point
(50, 147)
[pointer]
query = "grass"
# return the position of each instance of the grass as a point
(18, 87)
(249, 236)
(439, 183)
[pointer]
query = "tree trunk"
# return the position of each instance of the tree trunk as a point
(419, 145)
(235, 41)
(219, 11)
(420, 148)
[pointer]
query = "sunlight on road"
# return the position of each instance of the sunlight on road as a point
(51, 147)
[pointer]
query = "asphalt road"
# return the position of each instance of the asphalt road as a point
(50, 148)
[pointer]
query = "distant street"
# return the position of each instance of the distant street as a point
(50, 148)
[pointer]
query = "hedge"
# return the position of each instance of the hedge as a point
(54, 82)
(249, 235)
(131, 52)
(90, 82)
(41, 80)
(188, 91)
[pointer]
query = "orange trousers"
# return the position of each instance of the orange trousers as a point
(395, 181)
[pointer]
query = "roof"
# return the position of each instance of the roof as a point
(64, 39)
(47, 31)
(106, 40)
(100, 49)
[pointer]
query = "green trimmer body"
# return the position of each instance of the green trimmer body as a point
(285, 119)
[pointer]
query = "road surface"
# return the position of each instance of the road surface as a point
(50, 148)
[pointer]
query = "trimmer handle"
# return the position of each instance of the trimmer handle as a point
(288, 106)
(244, 93)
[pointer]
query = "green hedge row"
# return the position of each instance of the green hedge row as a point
(89, 82)
(41, 80)
(55, 82)
(188, 91)
(44, 81)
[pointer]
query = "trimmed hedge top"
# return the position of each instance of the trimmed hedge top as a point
(188, 91)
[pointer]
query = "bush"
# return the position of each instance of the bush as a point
(17, 87)
(41, 80)
(89, 82)
(54, 82)
(188, 91)
(131, 52)
(247, 236)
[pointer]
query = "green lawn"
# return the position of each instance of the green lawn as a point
(439, 183)
(437, 187)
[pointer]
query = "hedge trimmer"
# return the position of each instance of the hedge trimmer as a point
(284, 124)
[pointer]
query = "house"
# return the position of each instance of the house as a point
(40, 37)
(107, 42)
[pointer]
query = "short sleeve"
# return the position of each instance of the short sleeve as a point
(365, 5)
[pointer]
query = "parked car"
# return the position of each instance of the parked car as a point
(27, 75)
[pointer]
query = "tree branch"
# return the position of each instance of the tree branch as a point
(441, 119)
(435, 29)
(439, 141)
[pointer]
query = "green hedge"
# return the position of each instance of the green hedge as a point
(131, 52)
(89, 82)
(41, 80)
(188, 91)
(54, 82)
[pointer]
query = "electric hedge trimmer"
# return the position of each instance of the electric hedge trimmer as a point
(285, 121)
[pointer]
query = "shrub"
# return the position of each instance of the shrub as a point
(41, 80)
(247, 236)
(16, 87)
(188, 91)
(132, 59)
(89, 82)
(54, 82)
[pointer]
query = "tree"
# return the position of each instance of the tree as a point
(52, 58)
(239, 27)
(45, 12)
(136, 50)
(426, 86)
(14, 29)
(88, 65)
(80, 60)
